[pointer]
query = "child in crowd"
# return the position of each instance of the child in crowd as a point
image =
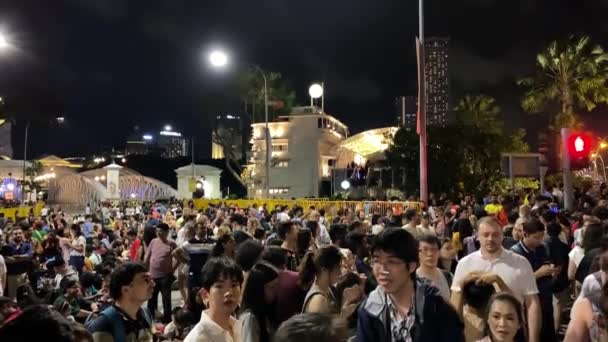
(221, 290)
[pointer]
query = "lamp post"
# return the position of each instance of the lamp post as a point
(4, 44)
(219, 59)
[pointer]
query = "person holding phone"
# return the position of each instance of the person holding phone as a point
(533, 249)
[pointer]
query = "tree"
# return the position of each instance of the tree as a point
(250, 86)
(246, 87)
(571, 75)
(463, 155)
(479, 111)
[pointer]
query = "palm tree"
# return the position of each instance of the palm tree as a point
(570, 74)
(480, 111)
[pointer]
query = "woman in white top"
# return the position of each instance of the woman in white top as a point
(77, 249)
(591, 236)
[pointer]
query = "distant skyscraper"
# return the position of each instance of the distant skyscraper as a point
(168, 144)
(172, 144)
(437, 80)
(405, 109)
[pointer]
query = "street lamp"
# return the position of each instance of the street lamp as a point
(4, 44)
(219, 59)
(316, 91)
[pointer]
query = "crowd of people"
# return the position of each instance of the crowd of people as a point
(500, 269)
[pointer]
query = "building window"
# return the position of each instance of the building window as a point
(320, 122)
(278, 191)
(281, 164)
(279, 147)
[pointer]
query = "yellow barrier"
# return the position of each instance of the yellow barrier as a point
(22, 211)
(331, 207)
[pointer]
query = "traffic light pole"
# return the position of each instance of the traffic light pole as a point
(568, 190)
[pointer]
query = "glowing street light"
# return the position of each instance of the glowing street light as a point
(345, 184)
(4, 44)
(168, 128)
(218, 59)
(315, 91)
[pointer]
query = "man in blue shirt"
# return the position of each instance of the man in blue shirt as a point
(87, 229)
(18, 257)
(532, 248)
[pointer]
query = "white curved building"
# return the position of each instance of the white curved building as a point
(307, 146)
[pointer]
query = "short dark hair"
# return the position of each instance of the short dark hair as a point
(600, 212)
(410, 214)
(548, 215)
(430, 239)
(477, 296)
(240, 236)
(398, 242)
(354, 240)
(312, 327)
(275, 255)
(248, 253)
(163, 226)
(512, 217)
(66, 283)
(533, 226)
(284, 228)
(354, 225)
(337, 232)
(554, 229)
(123, 275)
(132, 232)
(219, 267)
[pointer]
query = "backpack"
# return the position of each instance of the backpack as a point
(116, 320)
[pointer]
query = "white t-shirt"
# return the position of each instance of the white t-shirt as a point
(77, 242)
(576, 255)
(513, 269)
(207, 330)
(283, 217)
(44, 211)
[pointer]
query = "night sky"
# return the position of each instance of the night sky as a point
(119, 63)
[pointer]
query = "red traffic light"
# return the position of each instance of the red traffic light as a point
(580, 144)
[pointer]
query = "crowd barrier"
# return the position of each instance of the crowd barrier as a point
(331, 207)
(22, 211)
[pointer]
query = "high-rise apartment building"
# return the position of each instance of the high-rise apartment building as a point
(437, 80)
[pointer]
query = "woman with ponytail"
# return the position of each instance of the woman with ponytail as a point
(321, 269)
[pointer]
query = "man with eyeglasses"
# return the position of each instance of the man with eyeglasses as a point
(126, 320)
(404, 307)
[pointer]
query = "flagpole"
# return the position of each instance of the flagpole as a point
(422, 108)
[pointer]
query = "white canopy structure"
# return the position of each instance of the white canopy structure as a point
(367, 145)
